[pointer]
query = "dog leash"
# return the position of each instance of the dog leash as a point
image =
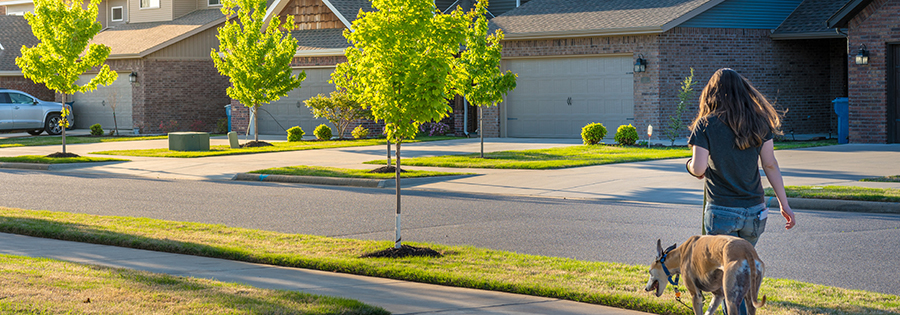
(662, 261)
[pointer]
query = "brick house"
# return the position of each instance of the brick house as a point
(874, 85)
(164, 46)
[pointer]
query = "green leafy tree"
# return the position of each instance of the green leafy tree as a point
(400, 66)
(338, 108)
(64, 28)
(481, 81)
(256, 60)
(676, 124)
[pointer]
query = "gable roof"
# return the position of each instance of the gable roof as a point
(809, 21)
(14, 33)
(578, 18)
(136, 40)
(345, 10)
(847, 12)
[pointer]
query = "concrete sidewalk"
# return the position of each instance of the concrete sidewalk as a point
(398, 297)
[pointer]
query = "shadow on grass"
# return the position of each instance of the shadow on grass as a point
(849, 309)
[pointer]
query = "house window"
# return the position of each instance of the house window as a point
(215, 2)
(118, 14)
(149, 4)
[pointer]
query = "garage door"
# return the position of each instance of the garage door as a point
(95, 107)
(290, 111)
(556, 97)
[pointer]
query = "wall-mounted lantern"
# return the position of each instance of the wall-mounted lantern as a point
(862, 55)
(132, 77)
(640, 65)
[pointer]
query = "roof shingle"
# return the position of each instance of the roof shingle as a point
(809, 20)
(138, 38)
(14, 33)
(320, 39)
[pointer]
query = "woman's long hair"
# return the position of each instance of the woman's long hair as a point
(738, 104)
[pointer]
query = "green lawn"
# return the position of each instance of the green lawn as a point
(302, 170)
(46, 286)
(279, 146)
(57, 140)
(49, 160)
(841, 192)
(889, 179)
(571, 156)
(611, 284)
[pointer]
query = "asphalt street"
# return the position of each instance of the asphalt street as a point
(848, 250)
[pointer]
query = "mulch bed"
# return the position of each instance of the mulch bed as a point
(386, 170)
(255, 144)
(403, 251)
(62, 155)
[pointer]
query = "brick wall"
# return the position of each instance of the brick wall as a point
(2, 10)
(875, 26)
(25, 85)
(191, 93)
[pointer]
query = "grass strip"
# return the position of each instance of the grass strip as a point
(571, 156)
(553, 158)
(57, 140)
(886, 179)
(47, 286)
(279, 146)
(303, 170)
(50, 160)
(841, 193)
(612, 284)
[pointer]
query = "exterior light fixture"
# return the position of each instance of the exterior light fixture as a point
(132, 77)
(862, 56)
(640, 65)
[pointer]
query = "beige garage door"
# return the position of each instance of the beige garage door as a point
(95, 107)
(556, 97)
(290, 111)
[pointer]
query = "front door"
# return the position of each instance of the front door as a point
(893, 94)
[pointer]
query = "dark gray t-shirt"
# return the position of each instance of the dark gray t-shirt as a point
(732, 179)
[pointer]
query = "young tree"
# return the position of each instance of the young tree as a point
(481, 81)
(257, 61)
(64, 28)
(339, 108)
(676, 124)
(400, 66)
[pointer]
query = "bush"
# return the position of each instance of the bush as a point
(295, 134)
(593, 133)
(96, 130)
(222, 126)
(626, 134)
(360, 132)
(322, 132)
(434, 128)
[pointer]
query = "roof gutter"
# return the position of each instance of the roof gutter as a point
(808, 35)
(11, 74)
(585, 33)
(320, 52)
(15, 2)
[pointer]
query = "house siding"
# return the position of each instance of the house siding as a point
(311, 15)
(19, 9)
(755, 14)
(118, 3)
(138, 15)
(876, 27)
(183, 7)
(196, 47)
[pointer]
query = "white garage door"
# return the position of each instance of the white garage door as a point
(290, 111)
(556, 97)
(95, 107)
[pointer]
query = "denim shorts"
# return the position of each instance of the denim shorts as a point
(747, 223)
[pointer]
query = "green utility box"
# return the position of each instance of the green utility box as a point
(189, 141)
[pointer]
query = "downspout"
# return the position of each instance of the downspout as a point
(466, 115)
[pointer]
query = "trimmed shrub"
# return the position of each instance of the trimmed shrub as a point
(593, 133)
(322, 132)
(96, 130)
(295, 134)
(360, 132)
(626, 134)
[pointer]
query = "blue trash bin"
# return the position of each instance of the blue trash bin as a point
(842, 109)
(228, 114)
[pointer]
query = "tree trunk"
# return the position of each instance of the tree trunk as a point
(66, 120)
(115, 123)
(255, 125)
(389, 152)
(481, 128)
(397, 180)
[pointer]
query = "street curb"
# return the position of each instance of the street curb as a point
(25, 166)
(52, 167)
(340, 181)
(839, 205)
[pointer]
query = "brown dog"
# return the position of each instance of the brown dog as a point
(727, 266)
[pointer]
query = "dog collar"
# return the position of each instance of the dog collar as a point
(662, 261)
